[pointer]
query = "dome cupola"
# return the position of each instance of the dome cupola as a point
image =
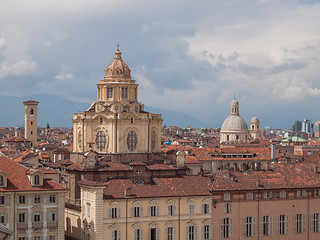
(117, 69)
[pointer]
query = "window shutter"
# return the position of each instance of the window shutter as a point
(157, 233)
(295, 223)
(141, 232)
(118, 212)
(149, 211)
(210, 231)
(225, 208)
(174, 209)
(141, 211)
(270, 225)
(202, 208)
(261, 226)
(174, 233)
(312, 222)
(316, 218)
(278, 225)
(169, 210)
(195, 233)
(157, 210)
(245, 227)
(187, 231)
(110, 213)
(132, 212)
(119, 235)
(112, 234)
(166, 234)
(203, 232)
(304, 193)
(253, 226)
(286, 224)
(230, 207)
(230, 228)
(221, 228)
(303, 223)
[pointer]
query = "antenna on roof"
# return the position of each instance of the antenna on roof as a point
(118, 47)
(234, 97)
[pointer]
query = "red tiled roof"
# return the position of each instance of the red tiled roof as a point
(280, 176)
(163, 187)
(17, 139)
(156, 167)
(18, 180)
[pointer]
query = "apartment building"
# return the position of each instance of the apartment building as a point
(31, 205)
(170, 208)
(279, 203)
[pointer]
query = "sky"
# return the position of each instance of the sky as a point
(188, 56)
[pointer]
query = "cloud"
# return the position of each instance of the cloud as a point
(64, 76)
(20, 68)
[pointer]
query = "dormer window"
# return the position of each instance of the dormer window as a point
(37, 180)
(3, 179)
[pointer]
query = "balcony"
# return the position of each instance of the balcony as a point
(22, 225)
(52, 224)
(37, 225)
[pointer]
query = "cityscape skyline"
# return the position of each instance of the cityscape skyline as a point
(193, 59)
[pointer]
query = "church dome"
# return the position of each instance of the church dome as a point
(117, 68)
(234, 123)
(254, 119)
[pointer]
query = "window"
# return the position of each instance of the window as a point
(2, 200)
(266, 225)
(227, 208)
(31, 123)
(88, 209)
(124, 92)
(22, 199)
(191, 233)
(109, 92)
(227, 137)
(226, 228)
(52, 237)
(22, 238)
(31, 111)
(52, 198)
(283, 224)
(137, 211)
(2, 218)
(1, 180)
(138, 234)
(37, 238)
(52, 216)
(315, 227)
(299, 223)
(153, 140)
(37, 199)
(153, 211)
(191, 208)
(154, 234)
(101, 120)
(249, 226)
(131, 120)
(316, 193)
(115, 235)
(114, 212)
(301, 193)
(22, 217)
(283, 194)
(267, 194)
(80, 140)
(132, 140)
(37, 179)
(171, 210)
(170, 233)
(101, 140)
(206, 232)
(227, 197)
(205, 208)
(36, 217)
(249, 195)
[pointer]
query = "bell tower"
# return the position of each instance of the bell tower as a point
(31, 121)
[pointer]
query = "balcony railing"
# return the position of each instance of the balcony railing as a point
(37, 225)
(22, 225)
(52, 224)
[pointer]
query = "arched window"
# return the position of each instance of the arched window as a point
(31, 111)
(80, 140)
(101, 140)
(153, 140)
(132, 140)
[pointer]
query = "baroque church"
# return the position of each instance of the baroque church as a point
(235, 130)
(116, 125)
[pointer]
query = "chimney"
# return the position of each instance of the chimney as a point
(273, 151)
(127, 192)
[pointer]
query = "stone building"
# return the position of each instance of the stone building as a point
(31, 204)
(117, 124)
(31, 121)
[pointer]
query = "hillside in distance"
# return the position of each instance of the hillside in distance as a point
(58, 112)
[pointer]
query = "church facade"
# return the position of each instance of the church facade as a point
(117, 124)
